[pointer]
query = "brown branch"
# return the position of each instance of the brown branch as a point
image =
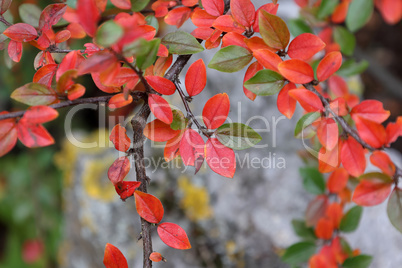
(3, 20)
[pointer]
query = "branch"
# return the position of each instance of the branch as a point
(3, 20)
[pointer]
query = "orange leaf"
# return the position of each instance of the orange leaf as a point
(353, 157)
(338, 180)
(394, 130)
(8, 135)
(226, 23)
(220, 158)
(75, 91)
(371, 192)
(381, 160)
(329, 160)
(172, 148)
(391, 10)
(148, 207)
(45, 74)
(159, 131)
(173, 235)
(21, 32)
(335, 213)
(305, 46)
(160, 108)
(98, 83)
(251, 71)
(371, 110)
(122, 4)
(40, 114)
(14, 50)
(88, 16)
(178, 16)
(156, 257)
(324, 229)
(256, 42)
(286, 104)
(119, 170)
(243, 12)
(338, 86)
(125, 189)
(371, 132)
(328, 133)
(338, 106)
(296, 71)
(71, 61)
(113, 257)
(202, 19)
(189, 3)
(119, 138)
(160, 84)
(329, 65)
(118, 101)
(192, 147)
(234, 39)
(307, 99)
(216, 111)
(214, 7)
(196, 78)
(267, 58)
(340, 12)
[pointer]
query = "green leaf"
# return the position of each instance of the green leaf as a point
(230, 59)
(298, 27)
(299, 253)
(350, 221)
(313, 180)
(152, 21)
(109, 33)
(30, 13)
(305, 121)
(148, 55)
(351, 68)
(237, 136)
(179, 120)
(265, 83)
(181, 43)
(273, 30)
(394, 209)
(345, 39)
(326, 8)
(361, 261)
(138, 5)
(34, 94)
(376, 176)
(359, 13)
(300, 228)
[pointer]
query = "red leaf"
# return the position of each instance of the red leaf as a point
(338, 180)
(371, 192)
(98, 62)
(118, 101)
(88, 16)
(5, 4)
(160, 84)
(273, 30)
(243, 12)
(159, 131)
(156, 257)
(189, 3)
(40, 114)
(296, 71)
(148, 207)
(114, 258)
(32, 250)
(173, 235)
(256, 42)
(226, 23)
(216, 111)
(324, 229)
(267, 58)
(271, 8)
(340, 12)
(21, 32)
(119, 138)
(371, 110)
(251, 71)
(202, 18)
(191, 147)
(381, 160)
(329, 160)
(391, 10)
(160, 108)
(307, 99)
(51, 15)
(75, 91)
(8, 135)
(338, 86)
(119, 170)
(234, 39)
(122, 4)
(328, 133)
(172, 148)
(329, 65)
(352, 157)
(71, 61)
(220, 158)
(394, 130)
(286, 104)
(62, 36)
(99, 85)
(214, 7)
(45, 74)
(196, 78)
(178, 16)
(126, 189)
(316, 210)
(14, 50)
(371, 132)
(305, 46)
(33, 135)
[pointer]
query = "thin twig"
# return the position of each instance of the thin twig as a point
(3, 20)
